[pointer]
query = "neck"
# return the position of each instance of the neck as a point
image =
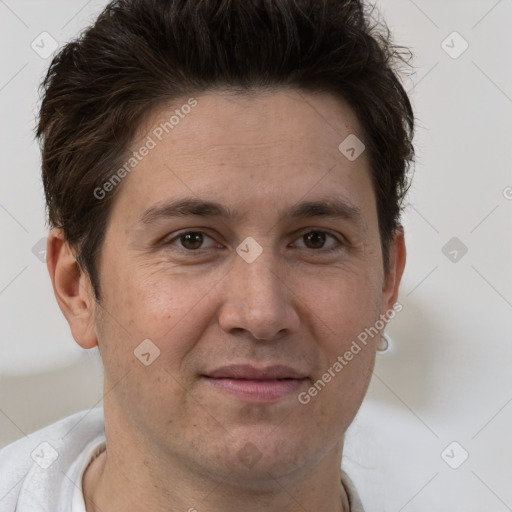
(112, 486)
(138, 472)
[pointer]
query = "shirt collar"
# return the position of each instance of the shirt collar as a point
(354, 502)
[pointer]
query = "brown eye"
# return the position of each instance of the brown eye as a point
(318, 241)
(314, 239)
(192, 240)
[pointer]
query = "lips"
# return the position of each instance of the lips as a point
(249, 372)
(251, 384)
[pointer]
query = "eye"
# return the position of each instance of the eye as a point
(191, 240)
(316, 239)
(195, 241)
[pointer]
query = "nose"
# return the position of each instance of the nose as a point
(259, 300)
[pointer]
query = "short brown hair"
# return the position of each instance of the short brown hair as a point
(143, 53)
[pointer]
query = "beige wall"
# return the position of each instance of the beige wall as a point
(28, 403)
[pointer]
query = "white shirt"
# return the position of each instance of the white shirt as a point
(43, 472)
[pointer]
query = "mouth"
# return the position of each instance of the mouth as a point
(252, 384)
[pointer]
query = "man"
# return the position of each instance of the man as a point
(224, 181)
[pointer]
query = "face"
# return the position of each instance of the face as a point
(245, 247)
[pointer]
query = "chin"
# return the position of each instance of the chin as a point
(260, 455)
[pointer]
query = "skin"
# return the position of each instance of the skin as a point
(174, 442)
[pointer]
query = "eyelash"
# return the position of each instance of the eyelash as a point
(339, 246)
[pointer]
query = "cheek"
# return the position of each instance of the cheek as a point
(345, 303)
(141, 306)
(348, 388)
(169, 308)
(343, 310)
(336, 394)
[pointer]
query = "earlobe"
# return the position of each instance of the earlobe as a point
(397, 258)
(72, 289)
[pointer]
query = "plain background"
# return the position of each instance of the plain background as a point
(446, 377)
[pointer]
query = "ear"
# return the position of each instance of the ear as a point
(397, 257)
(72, 288)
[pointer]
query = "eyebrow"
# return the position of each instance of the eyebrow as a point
(333, 208)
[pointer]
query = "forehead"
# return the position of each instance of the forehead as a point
(247, 150)
(223, 121)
